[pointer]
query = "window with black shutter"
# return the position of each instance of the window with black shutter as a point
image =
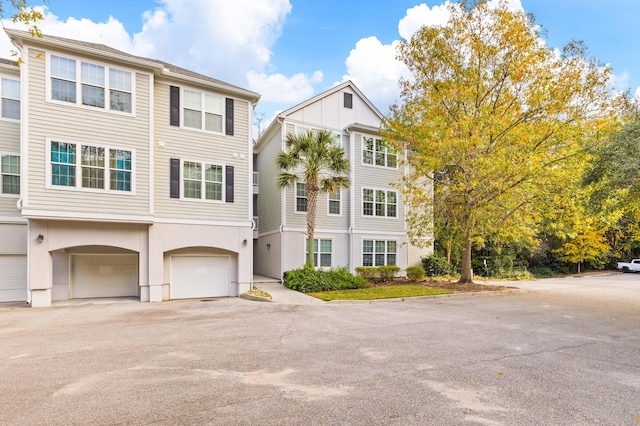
(229, 117)
(174, 178)
(174, 101)
(229, 184)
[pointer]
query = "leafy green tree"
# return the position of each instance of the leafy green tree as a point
(317, 160)
(496, 118)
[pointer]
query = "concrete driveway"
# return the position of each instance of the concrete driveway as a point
(565, 353)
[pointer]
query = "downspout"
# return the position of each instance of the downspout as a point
(283, 202)
(352, 155)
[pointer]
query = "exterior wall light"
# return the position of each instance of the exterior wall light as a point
(40, 238)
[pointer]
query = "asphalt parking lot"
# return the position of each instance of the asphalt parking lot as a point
(565, 353)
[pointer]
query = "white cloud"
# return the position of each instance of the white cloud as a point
(279, 88)
(373, 67)
(219, 38)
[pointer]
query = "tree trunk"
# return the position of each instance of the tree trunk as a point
(466, 274)
(449, 244)
(578, 267)
(312, 198)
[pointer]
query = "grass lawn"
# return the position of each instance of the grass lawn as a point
(385, 292)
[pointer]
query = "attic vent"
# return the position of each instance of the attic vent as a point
(348, 100)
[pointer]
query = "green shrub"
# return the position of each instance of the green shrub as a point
(388, 273)
(308, 279)
(434, 265)
(415, 273)
(369, 273)
(543, 272)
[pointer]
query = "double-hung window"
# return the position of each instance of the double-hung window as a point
(376, 152)
(322, 252)
(202, 111)
(10, 98)
(379, 252)
(301, 197)
(86, 166)
(202, 181)
(334, 203)
(96, 83)
(10, 174)
(379, 203)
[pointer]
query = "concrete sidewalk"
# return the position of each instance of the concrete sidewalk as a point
(281, 294)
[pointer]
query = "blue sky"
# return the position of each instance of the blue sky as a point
(290, 50)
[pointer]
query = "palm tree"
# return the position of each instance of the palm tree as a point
(316, 159)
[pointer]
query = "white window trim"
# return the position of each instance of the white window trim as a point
(295, 197)
(14, 78)
(78, 102)
(78, 164)
(316, 237)
(202, 111)
(373, 216)
(202, 188)
(329, 204)
(11, 195)
(386, 240)
(362, 136)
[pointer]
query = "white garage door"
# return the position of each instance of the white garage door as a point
(199, 276)
(13, 278)
(104, 275)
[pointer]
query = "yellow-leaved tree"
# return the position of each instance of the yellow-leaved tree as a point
(492, 119)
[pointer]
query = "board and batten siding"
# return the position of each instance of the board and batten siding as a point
(366, 176)
(270, 196)
(194, 145)
(9, 144)
(71, 123)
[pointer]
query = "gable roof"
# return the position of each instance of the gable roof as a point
(278, 118)
(18, 37)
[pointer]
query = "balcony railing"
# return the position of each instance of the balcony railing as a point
(255, 182)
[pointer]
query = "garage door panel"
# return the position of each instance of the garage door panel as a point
(199, 276)
(104, 276)
(13, 278)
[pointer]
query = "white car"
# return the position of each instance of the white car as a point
(633, 266)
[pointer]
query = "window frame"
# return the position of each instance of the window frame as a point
(79, 166)
(374, 202)
(374, 251)
(203, 182)
(319, 252)
(386, 153)
(2, 175)
(299, 128)
(19, 99)
(78, 85)
(339, 200)
(203, 112)
(296, 196)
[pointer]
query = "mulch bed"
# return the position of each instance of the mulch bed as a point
(446, 285)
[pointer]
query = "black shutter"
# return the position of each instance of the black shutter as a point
(229, 184)
(229, 117)
(174, 93)
(174, 178)
(348, 100)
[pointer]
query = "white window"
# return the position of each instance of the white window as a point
(301, 130)
(9, 174)
(10, 98)
(301, 197)
(74, 165)
(379, 252)
(377, 153)
(202, 181)
(202, 111)
(95, 84)
(322, 252)
(334, 203)
(378, 202)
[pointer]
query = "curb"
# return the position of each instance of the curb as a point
(255, 298)
(428, 298)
